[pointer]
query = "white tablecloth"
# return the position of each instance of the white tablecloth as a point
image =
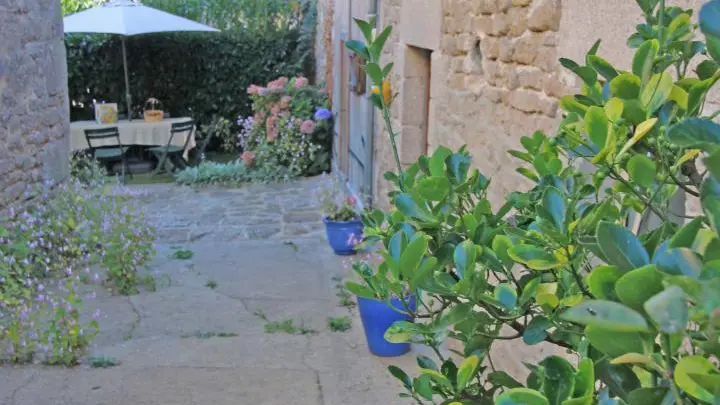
(137, 132)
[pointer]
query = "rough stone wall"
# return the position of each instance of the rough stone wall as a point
(34, 112)
(494, 79)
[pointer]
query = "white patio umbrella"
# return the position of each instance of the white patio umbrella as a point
(128, 18)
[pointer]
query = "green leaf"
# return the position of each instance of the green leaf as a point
(527, 173)
(437, 161)
(571, 105)
(614, 343)
(559, 381)
(359, 290)
(695, 133)
(712, 163)
(596, 125)
(411, 208)
(656, 92)
(500, 245)
(644, 59)
(603, 67)
(568, 64)
(379, 42)
(633, 112)
(375, 73)
(438, 378)
(606, 314)
(521, 396)
(706, 69)
(412, 256)
(648, 396)
(669, 310)
(601, 282)
(401, 332)
(555, 206)
(614, 109)
(464, 257)
(710, 199)
(625, 86)
(709, 382)
(433, 188)
(534, 257)
(588, 76)
(637, 286)
(357, 47)
(458, 166)
(642, 170)
(685, 236)
(365, 27)
(678, 261)
(621, 247)
(709, 19)
(619, 378)
(693, 365)
(585, 378)
(506, 295)
(640, 131)
(401, 375)
(422, 386)
(426, 362)
(536, 331)
(503, 379)
(466, 372)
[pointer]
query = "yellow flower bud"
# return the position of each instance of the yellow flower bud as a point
(375, 90)
(387, 91)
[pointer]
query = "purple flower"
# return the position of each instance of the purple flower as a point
(322, 114)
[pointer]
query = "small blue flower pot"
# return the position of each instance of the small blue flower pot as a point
(377, 317)
(340, 233)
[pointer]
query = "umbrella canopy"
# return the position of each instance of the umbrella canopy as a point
(128, 18)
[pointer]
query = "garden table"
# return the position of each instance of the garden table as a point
(136, 132)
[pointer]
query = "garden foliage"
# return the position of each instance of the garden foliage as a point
(79, 234)
(201, 75)
(637, 308)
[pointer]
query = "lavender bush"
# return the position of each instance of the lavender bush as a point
(46, 250)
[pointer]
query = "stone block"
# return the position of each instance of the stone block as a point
(414, 101)
(518, 21)
(544, 15)
(526, 100)
(482, 24)
(531, 77)
(490, 47)
(413, 141)
(487, 6)
(521, 3)
(507, 48)
(500, 24)
(527, 48)
(509, 76)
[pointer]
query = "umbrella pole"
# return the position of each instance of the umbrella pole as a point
(127, 81)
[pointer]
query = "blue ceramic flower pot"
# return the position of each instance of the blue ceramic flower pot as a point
(377, 317)
(341, 233)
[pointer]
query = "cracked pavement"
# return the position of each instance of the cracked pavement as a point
(238, 239)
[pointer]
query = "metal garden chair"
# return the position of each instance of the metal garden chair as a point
(171, 152)
(105, 153)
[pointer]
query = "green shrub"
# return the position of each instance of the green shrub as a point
(213, 173)
(636, 307)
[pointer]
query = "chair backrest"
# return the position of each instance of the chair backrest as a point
(101, 134)
(182, 127)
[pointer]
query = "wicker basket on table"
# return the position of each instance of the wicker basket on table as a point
(153, 110)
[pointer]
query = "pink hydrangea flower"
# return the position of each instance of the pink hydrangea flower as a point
(275, 109)
(307, 127)
(259, 116)
(301, 82)
(248, 158)
(285, 102)
(253, 89)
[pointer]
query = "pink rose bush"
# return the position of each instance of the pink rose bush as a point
(289, 133)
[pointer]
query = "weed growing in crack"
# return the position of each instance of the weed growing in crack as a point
(208, 335)
(288, 326)
(339, 324)
(183, 254)
(261, 314)
(211, 284)
(149, 283)
(292, 244)
(102, 362)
